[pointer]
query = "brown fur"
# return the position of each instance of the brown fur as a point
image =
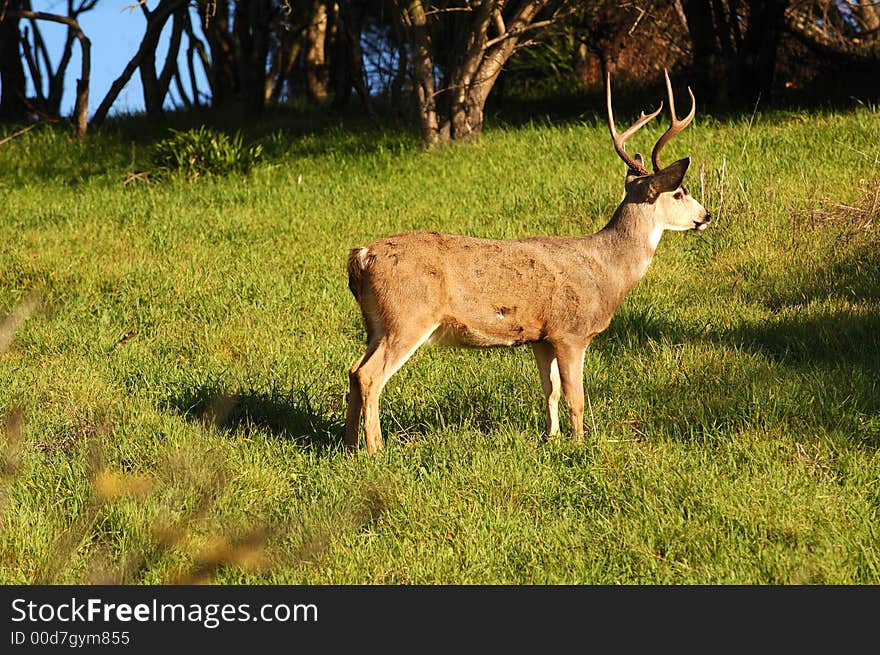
(420, 287)
(553, 293)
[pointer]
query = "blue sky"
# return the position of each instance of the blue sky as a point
(115, 31)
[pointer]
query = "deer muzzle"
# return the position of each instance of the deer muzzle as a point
(704, 223)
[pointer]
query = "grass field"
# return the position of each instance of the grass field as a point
(734, 415)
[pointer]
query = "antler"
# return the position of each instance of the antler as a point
(620, 139)
(677, 125)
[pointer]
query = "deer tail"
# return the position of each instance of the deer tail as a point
(357, 261)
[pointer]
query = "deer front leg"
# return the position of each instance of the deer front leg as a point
(548, 368)
(570, 358)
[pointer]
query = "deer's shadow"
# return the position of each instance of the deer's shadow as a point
(289, 415)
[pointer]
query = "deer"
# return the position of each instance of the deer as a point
(554, 293)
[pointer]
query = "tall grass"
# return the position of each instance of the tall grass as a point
(173, 361)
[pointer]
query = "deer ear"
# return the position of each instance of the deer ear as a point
(633, 174)
(669, 178)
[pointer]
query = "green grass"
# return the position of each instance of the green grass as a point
(735, 409)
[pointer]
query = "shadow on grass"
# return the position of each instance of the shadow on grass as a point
(283, 129)
(123, 145)
(809, 360)
(479, 406)
(636, 326)
(830, 338)
(297, 130)
(801, 335)
(852, 276)
(823, 314)
(288, 415)
(826, 93)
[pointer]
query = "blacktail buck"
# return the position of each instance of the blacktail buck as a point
(553, 293)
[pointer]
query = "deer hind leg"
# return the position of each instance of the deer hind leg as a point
(355, 401)
(353, 411)
(548, 367)
(355, 396)
(369, 376)
(571, 372)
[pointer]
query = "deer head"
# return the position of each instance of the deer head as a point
(660, 194)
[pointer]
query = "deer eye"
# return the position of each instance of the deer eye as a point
(678, 195)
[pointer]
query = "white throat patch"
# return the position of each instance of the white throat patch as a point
(654, 237)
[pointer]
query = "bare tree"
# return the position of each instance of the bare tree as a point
(81, 106)
(735, 44)
(843, 32)
(156, 83)
(283, 58)
(48, 78)
(457, 51)
(216, 23)
(348, 56)
(196, 51)
(239, 38)
(155, 86)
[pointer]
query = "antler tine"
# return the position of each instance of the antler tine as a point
(620, 139)
(677, 125)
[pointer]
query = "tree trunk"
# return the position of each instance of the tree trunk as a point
(56, 79)
(467, 92)
(869, 14)
(482, 64)
(398, 109)
(55, 91)
(13, 99)
(81, 106)
(708, 69)
(222, 77)
(399, 80)
(33, 57)
(317, 78)
(729, 67)
(284, 59)
(152, 84)
(341, 75)
(349, 57)
(196, 47)
(252, 20)
(416, 23)
(467, 118)
(757, 56)
(470, 60)
(845, 46)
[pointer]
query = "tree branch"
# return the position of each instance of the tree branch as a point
(518, 31)
(81, 107)
(157, 18)
(19, 133)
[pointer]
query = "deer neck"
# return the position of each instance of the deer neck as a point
(628, 243)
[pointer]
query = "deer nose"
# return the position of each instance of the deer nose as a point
(704, 223)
